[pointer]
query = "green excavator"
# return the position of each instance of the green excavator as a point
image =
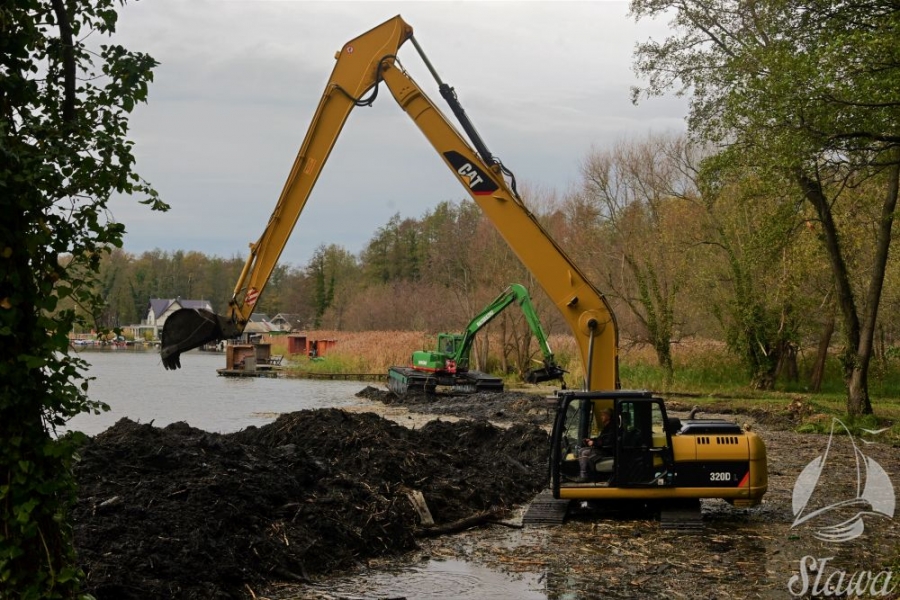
(448, 366)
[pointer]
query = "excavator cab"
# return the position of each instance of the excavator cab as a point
(656, 458)
(642, 455)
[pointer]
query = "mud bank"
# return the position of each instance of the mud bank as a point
(176, 512)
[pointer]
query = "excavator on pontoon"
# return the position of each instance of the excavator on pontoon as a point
(655, 457)
(448, 365)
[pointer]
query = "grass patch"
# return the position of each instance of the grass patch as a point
(703, 369)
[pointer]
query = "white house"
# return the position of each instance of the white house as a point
(287, 322)
(160, 309)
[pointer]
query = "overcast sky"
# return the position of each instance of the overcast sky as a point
(239, 80)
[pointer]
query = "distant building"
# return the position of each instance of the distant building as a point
(160, 309)
(257, 325)
(287, 322)
(301, 344)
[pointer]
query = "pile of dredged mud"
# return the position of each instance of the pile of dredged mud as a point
(177, 512)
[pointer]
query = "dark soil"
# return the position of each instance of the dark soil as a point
(617, 553)
(508, 407)
(181, 513)
(176, 512)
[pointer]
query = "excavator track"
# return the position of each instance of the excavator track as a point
(403, 381)
(683, 517)
(546, 510)
(476, 381)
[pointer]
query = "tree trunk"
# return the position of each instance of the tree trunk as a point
(858, 334)
(818, 371)
(664, 358)
(858, 402)
(504, 362)
(763, 380)
(787, 362)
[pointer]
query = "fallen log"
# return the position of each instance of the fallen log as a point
(461, 524)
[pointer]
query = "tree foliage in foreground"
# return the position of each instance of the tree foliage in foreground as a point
(806, 92)
(63, 124)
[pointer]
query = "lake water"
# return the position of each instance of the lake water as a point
(135, 384)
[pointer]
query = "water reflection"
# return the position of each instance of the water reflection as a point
(135, 385)
(431, 579)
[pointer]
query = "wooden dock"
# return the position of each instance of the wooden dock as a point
(338, 376)
(279, 372)
(243, 373)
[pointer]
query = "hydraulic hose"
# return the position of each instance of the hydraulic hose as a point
(592, 326)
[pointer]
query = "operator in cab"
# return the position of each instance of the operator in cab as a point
(600, 446)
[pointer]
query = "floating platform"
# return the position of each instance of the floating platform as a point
(242, 373)
(340, 376)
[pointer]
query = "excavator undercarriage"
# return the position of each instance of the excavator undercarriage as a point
(406, 380)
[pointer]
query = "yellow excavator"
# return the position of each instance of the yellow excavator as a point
(654, 457)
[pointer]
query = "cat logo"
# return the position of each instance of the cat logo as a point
(478, 182)
(469, 172)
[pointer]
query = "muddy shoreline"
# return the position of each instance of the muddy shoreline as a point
(276, 511)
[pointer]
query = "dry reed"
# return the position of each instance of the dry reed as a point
(376, 351)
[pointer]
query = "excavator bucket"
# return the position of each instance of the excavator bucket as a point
(190, 328)
(546, 373)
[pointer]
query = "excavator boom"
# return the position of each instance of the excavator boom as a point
(355, 73)
(361, 65)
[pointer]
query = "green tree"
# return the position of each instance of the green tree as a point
(118, 308)
(343, 277)
(63, 122)
(395, 253)
(323, 284)
(750, 271)
(333, 273)
(805, 90)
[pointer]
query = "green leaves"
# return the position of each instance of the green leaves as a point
(804, 92)
(63, 153)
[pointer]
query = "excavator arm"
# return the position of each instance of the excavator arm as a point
(355, 73)
(481, 320)
(515, 293)
(550, 370)
(361, 65)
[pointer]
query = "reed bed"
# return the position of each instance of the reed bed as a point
(701, 367)
(358, 351)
